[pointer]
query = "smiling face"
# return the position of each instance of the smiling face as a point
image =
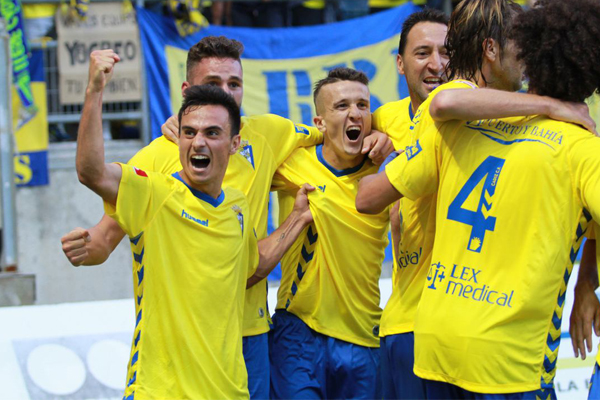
(205, 144)
(344, 118)
(225, 73)
(424, 60)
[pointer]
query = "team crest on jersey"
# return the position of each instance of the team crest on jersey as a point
(236, 209)
(246, 152)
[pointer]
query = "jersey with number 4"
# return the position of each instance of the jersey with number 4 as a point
(515, 199)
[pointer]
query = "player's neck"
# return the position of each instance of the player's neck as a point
(213, 188)
(340, 161)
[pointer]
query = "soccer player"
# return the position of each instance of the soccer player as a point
(325, 338)
(184, 346)
(422, 59)
(266, 141)
(514, 199)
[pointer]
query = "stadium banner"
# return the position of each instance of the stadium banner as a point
(106, 26)
(31, 154)
(280, 64)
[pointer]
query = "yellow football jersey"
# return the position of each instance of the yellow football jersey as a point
(192, 257)
(266, 141)
(417, 227)
(514, 200)
(395, 119)
(332, 283)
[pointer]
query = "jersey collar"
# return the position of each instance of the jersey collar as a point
(337, 172)
(215, 202)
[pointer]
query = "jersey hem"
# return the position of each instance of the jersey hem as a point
(255, 331)
(336, 335)
(396, 330)
(476, 387)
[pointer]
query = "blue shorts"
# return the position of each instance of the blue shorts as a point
(308, 365)
(594, 393)
(443, 390)
(397, 360)
(256, 356)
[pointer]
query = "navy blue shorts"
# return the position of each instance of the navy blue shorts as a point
(308, 365)
(397, 361)
(443, 390)
(256, 356)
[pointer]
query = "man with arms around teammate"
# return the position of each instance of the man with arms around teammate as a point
(489, 319)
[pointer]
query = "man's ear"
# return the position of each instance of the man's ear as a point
(400, 64)
(184, 86)
(320, 123)
(235, 144)
(491, 49)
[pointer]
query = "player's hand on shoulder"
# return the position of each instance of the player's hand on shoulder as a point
(577, 113)
(74, 246)
(102, 64)
(585, 316)
(170, 129)
(302, 204)
(378, 145)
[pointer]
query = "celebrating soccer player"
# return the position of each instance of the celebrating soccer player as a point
(514, 201)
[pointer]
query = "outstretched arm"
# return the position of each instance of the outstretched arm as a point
(375, 192)
(92, 246)
(586, 307)
(272, 248)
(92, 171)
(467, 105)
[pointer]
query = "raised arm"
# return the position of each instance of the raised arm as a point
(92, 246)
(272, 248)
(467, 104)
(92, 170)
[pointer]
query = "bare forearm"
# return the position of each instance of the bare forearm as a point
(105, 237)
(588, 268)
(90, 143)
(375, 193)
(461, 104)
(273, 247)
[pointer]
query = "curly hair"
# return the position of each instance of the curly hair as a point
(558, 43)
(213, 47)
(337, 75)
(472, 22)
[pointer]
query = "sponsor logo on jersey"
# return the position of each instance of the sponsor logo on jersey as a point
(466, 282)
(322, 188)
(203, 222)
(412, 151)
(300, 129)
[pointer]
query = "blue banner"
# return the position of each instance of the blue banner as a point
(279, 64)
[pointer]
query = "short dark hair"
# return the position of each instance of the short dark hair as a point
(213, 47)
(558, 43)
(337, 75)
(205, 95)
(425, 15)
(471, 23)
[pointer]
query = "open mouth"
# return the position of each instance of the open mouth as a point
(433, 81)
(200, 161)
(353, 133)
